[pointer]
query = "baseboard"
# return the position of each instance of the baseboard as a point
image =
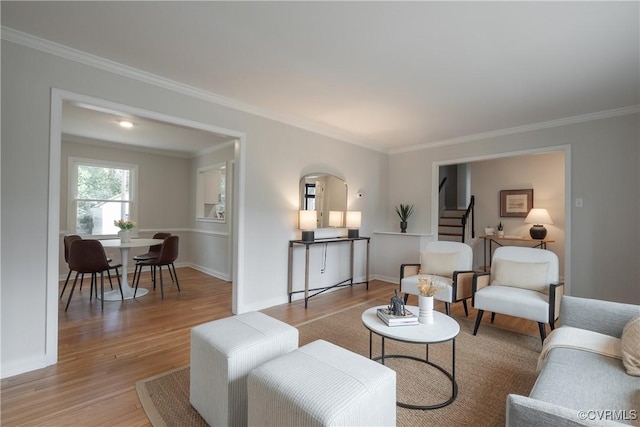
(389, 279)
(21, 366)
(210, 272)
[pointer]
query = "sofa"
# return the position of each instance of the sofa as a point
(578, 386)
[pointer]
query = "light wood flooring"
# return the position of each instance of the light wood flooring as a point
(101, 355)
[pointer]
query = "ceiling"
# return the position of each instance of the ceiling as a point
(386, 75)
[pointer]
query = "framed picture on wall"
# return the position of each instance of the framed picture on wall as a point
(515, 203)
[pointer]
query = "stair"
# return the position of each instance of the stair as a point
(450, 225)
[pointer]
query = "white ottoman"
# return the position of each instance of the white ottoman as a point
(321, 384)
(222, 354)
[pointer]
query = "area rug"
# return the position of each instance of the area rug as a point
(489, 366)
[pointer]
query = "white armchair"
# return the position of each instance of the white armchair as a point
(449, 264)
(523, 283)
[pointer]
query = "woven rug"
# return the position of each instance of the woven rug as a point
(489, 366)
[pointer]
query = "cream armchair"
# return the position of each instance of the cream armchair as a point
(523, 283)
(448, 264)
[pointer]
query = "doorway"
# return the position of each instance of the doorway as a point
(58, 99)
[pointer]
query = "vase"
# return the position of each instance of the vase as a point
(125, 236)
(425, 310)
(403, 226)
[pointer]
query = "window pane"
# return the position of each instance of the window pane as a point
(96, 182)
(97, 217)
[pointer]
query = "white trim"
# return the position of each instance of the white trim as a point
(566, 148)
(85, 58)
(210, 272)
(120, 146)
(623, 111)
(214, 148)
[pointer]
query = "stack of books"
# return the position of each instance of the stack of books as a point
(389, 319)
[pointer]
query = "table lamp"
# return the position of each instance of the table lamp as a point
(335, 219)
(538, 217)
(353, 223)
(308, 221)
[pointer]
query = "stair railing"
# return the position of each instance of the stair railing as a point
(469, 213)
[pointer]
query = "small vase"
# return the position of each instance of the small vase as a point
(403, 226)
(425, 312)
(125, 236)
(500, 233)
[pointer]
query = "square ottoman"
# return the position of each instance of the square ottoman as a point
(222, 354)
(321, 384)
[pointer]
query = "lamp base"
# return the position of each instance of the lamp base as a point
(308, 236)
(353, 233)
(538, 232)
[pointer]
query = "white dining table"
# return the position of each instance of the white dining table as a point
(127, 291)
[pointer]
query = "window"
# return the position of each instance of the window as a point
(309, 197)
(100, 192)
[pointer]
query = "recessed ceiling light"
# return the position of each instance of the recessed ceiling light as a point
(125, 124)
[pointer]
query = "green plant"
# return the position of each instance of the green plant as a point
(404, 211)
(124, 225)
(500, 228)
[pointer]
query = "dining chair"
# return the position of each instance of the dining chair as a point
(168, 255)
(68, 240)
(88, 256)
(152, 252)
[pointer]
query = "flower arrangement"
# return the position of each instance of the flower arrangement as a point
(427, 287)
(124, 225)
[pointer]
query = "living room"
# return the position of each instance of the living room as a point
(600, 142)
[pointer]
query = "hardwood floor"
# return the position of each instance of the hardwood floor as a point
(101, 355)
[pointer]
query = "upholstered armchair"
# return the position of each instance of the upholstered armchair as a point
(523, 282)
(450, 265)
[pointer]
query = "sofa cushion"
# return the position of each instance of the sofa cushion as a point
(582, 380)
(515, 302)
(525, 275)
(438, 263)
(631, 346)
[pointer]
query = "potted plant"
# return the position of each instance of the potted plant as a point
(500, 229)
(404, 212)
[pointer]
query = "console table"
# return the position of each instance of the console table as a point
(490, 240)
(316, 291)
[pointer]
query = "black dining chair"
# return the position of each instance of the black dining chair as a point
(88, 256)
(68, 240)
(168, 255)
(153, 252)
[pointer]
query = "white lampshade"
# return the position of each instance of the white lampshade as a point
(335, 218)
(308, 220)
(538, 216)
(354, 219)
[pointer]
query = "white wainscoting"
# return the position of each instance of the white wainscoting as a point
(390, 250)
(210, 253)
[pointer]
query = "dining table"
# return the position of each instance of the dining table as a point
(125, 247)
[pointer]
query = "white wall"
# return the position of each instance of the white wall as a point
(211, 244)
(604, 235)
(544, 173)
(274, 159)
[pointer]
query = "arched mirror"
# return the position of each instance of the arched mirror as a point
(324, 193)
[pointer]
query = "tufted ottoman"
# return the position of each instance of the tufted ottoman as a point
(321, 384)
(222, 354)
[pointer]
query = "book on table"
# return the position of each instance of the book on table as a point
(391, 319)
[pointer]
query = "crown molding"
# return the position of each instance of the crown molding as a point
(47, 46)
(75, 55)
(124, 146)
(623, 111)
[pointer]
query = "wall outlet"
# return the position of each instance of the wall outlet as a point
(579, 202)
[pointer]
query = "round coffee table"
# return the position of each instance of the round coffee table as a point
(443, 328)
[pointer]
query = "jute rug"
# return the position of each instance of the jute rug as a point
(489, 366)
